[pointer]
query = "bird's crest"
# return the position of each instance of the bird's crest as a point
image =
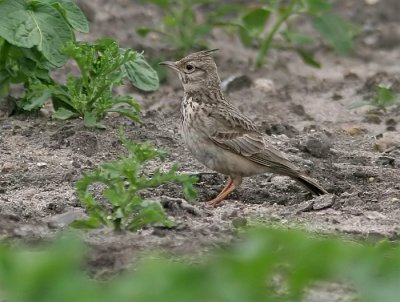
(200, 54)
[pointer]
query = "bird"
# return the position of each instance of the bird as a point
(221, 137)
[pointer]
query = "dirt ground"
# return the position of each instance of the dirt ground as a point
(354, 154)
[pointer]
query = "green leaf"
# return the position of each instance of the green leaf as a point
(308, 58)
(122, 205)
(188, 189)
(149, 214)
(128, 100)
(90, 121)
(63, 114)
(245, 37)
(62, 99)
(170, 21)
(141, 74)
(126, 112)
(161, 3)
(316, 6)
(335, 32)
(297, 38)
(385, 94)
(35, 24)
(4, 83)
(35, 56)
(255, 20)
(102, 43)
(383, 98)
(86, 224)
(36, 99)
(114, 196)
(202, 29)
(144, 31)
(72, 13)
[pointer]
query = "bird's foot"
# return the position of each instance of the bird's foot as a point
(213, 202)
(229, 187)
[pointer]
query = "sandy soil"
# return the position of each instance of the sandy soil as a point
(355, 154)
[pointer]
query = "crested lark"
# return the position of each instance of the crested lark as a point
(221, 137)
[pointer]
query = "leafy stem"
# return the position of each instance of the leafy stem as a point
(4, 49)
(123, 180)
(103, 65)
(333, 30)
(266, 43)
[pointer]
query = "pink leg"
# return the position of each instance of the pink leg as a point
(232, 184)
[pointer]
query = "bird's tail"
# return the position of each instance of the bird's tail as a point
(310, 184)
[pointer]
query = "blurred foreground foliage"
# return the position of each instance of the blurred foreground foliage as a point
(267, 265)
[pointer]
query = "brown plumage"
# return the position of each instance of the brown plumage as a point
(220, 136)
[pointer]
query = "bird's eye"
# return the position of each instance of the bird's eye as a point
(189, 67)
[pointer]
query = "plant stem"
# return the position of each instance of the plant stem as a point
(266, 43)
(4, 48)
(6, 78)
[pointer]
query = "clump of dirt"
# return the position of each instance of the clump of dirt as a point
(306, 115)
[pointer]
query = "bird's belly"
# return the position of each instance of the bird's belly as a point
(217, 158)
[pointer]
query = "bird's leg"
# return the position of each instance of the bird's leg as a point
(232, 184)
(228, 184)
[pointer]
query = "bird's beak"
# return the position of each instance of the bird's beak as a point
(170, 64)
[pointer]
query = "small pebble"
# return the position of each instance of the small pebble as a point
(76, 164)
(372, 119)
(374, 215)
(386, 161)
(391, 122)
(235, 83)
(353, 131)
(387, 141)
(265, 85)
(159, 232)
(318, 145)
(7, 167)
(64, 219)
(229, 214)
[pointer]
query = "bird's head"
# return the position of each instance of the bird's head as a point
(196, 71)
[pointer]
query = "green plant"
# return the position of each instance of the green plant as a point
(123, 180)
(103, 65)
(383, 97)
(183, 27)
(33, 35)
(45, 273)
(268, 265)
(336, 32)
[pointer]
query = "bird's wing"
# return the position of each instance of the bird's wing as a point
(238, 134)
